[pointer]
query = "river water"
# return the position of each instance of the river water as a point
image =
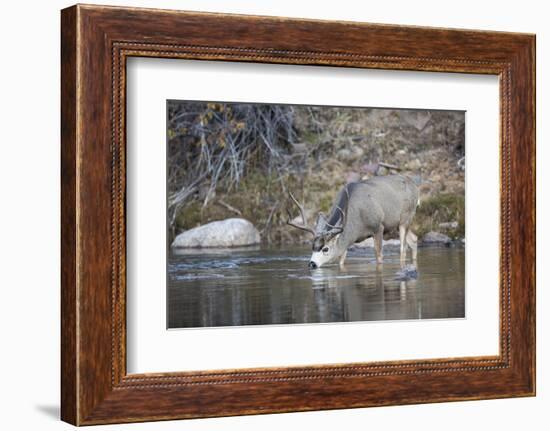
(274, 286)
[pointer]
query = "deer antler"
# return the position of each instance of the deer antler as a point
(304, 226)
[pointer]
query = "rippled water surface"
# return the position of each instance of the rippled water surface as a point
(274, 286)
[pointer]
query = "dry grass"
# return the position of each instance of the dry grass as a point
(441, 208)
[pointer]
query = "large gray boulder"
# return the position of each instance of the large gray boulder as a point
(231, 232)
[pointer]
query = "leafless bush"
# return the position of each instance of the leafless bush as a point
(213, 143)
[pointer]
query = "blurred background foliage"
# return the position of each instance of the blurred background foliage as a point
(240, 160)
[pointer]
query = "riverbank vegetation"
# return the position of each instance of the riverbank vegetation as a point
(240, 160)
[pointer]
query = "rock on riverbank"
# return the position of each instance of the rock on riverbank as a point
(369, 243)
(431, 238)
(436, 238)
(232, 232)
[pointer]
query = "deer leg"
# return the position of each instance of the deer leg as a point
(378, 237)
(412, 242)
(343, 258)
(402, 248)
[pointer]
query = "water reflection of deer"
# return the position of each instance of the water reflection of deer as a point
(334, 295)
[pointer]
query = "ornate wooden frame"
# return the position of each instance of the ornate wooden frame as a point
(95, 43)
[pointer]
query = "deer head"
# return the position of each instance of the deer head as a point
(325, 235)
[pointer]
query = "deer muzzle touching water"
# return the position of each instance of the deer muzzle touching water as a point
(361, 210)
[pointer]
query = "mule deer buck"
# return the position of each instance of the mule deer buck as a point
(361, 210)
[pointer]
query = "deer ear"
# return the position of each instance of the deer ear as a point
(321, 222)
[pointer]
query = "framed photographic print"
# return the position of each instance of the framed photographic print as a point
(266, 215)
